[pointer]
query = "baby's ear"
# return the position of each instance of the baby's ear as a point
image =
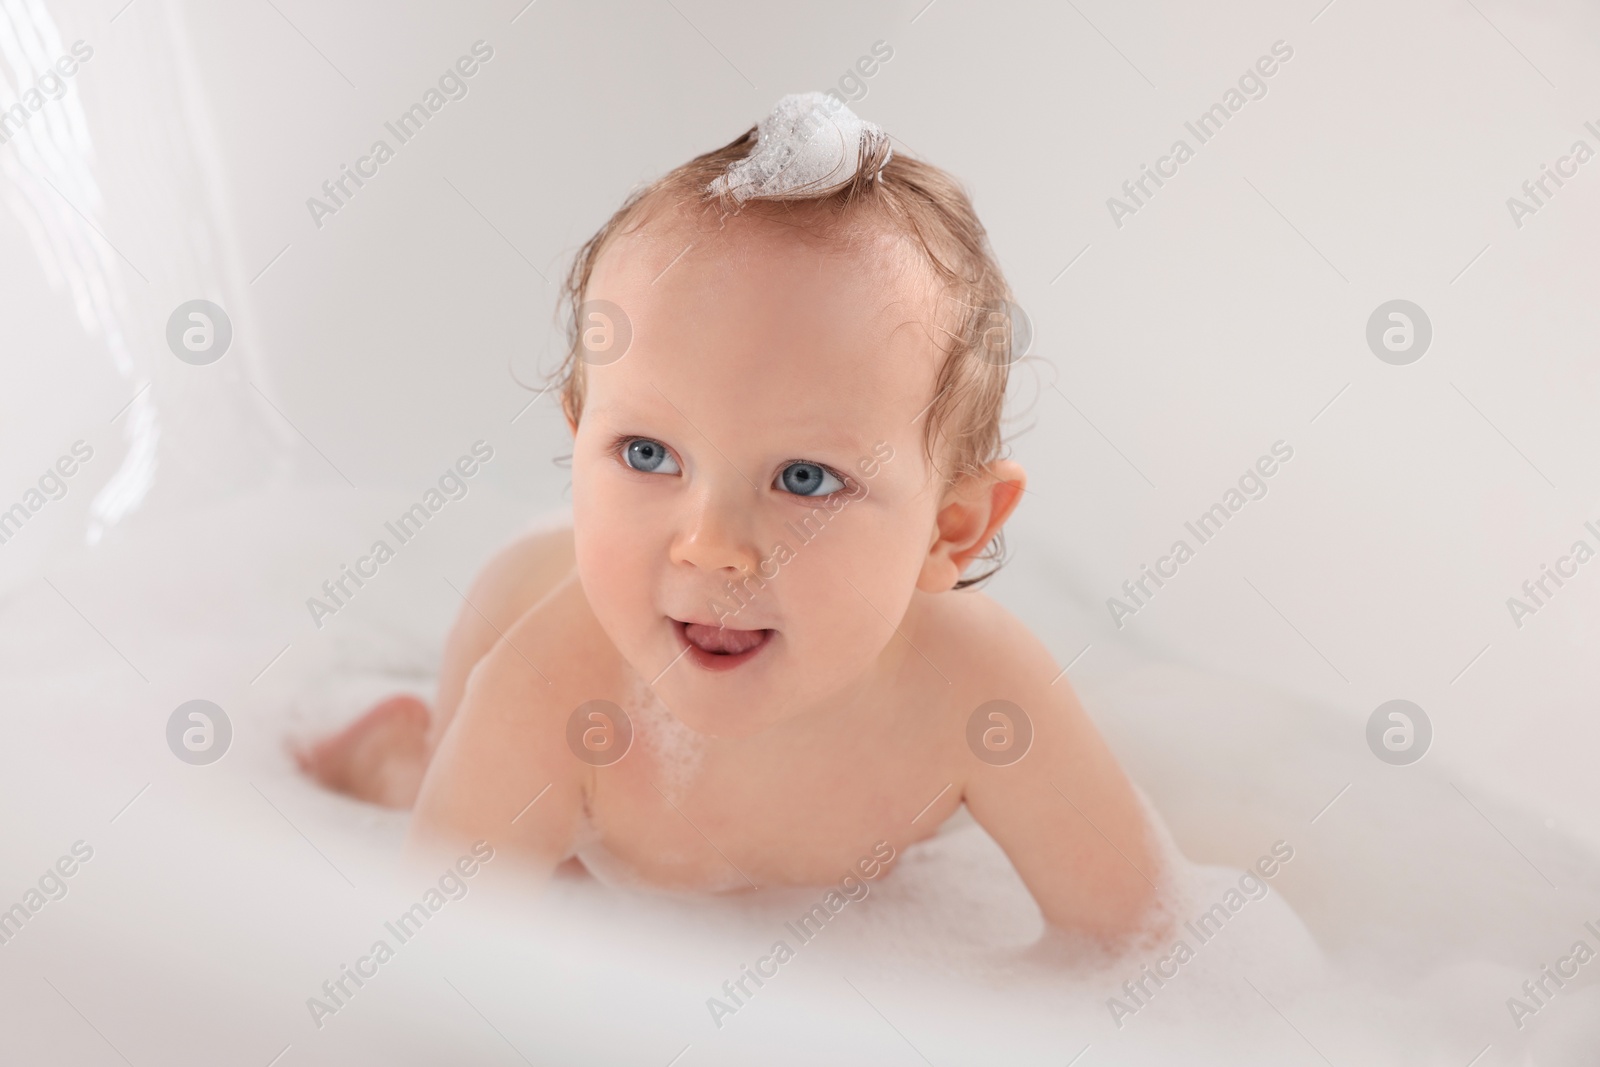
(972, 512)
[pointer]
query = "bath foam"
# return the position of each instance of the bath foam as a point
(1425, 935)
(677, 752)
(1221, 924)
(678, 749)
(809, 144)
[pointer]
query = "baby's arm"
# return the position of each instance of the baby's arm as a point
(1065, 813)
(506, 746)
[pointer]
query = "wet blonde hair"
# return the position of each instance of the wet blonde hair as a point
(909, 198)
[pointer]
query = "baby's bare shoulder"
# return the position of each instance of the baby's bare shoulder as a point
(997, 666)
(519, 575)
(990, 649)
(553, 657)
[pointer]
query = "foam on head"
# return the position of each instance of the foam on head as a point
(809, 145)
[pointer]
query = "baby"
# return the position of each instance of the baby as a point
(754, 658)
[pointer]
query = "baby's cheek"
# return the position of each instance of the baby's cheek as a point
(852, 587)
(609, 563)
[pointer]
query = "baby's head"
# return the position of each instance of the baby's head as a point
(786, 420)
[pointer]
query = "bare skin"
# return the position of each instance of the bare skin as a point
(848, 724)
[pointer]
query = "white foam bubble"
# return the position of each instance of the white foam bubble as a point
(809, 144)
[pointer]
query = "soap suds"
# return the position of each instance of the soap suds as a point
(809, 144)
(676, 749)
(1427, 919)
(675, 753)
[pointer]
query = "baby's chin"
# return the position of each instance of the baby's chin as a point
(717, 680)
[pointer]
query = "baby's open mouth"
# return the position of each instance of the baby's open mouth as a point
(720, 647)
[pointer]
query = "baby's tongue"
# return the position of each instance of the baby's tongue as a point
(721, 639)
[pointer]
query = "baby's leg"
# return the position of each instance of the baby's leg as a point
(381, 756)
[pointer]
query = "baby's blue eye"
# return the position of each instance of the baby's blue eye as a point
(808, 479)
(652, 457)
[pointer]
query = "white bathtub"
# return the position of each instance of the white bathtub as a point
(368, 351)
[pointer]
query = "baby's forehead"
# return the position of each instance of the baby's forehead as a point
(862, 249)
(771, 317)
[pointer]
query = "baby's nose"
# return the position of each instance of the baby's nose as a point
(716, 533)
